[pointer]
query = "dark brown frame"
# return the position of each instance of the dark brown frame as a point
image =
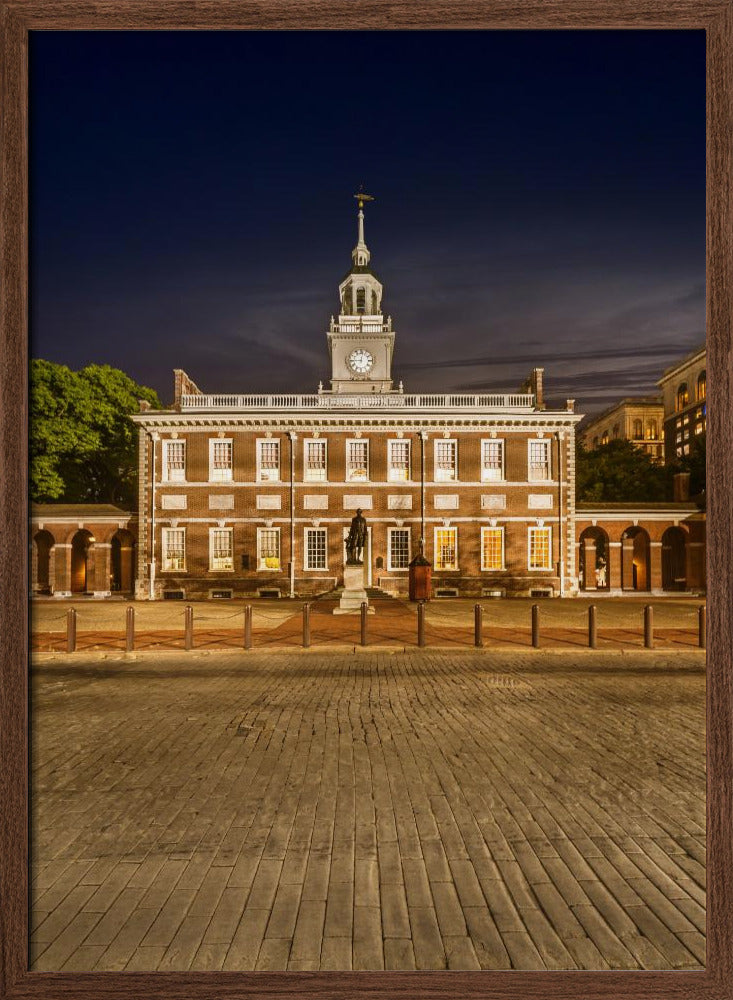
(20, 16)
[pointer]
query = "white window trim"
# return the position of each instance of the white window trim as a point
(539, 569)
(454, 442)
(445, 527)
(494, 569)
(269, 569)
(164, 549)
(166, 472)
(348, 478)
(306, 567)
(258, 471)
(306, 442)
(398, 479)
(390, 567)
(502, 475)
(229, 478)
(548, 443)
(211, 550)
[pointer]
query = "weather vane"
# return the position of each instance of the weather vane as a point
(361, 197)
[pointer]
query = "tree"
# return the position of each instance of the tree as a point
(620, 471)
(83, 446)
(694, 463)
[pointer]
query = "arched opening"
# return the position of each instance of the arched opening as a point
(651, 430)
(615, 431)
(360, 300)
(635, 559)
(683, 396)
(604, 437)
(122, 562)
(637, 430)
(43, 542)
(81, 559)
(701, 385)
(674, 561)
(593, 568)
(375, 304)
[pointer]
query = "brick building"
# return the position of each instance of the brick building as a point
(638, 419)
(685, 407)
(241, 495)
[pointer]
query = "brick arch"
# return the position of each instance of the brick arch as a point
(43, 559)
(594, 559)
(636, 559)
(674, 558)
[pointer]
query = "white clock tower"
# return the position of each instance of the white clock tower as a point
(362, 341)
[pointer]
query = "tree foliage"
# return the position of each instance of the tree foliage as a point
(694, 463)
(619, 471)
(83, 446)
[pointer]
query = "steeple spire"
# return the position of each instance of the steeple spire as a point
(360, 254)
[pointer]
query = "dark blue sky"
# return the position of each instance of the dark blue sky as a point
(540, 200)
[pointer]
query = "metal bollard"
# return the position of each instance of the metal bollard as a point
(592, 630)
(535, 626)
(71, 630)
(188, 624)
(364, 607)
(421, 623)
(648, 626)
(306, 626)
(701, 626)
(478, 625)
(248, 626)
(130, 629)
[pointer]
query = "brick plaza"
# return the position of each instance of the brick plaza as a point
(332, 809)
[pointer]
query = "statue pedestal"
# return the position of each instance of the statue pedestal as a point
(354, 593)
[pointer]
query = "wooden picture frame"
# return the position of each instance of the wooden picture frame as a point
(19, 17)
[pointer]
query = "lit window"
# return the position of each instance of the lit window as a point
(540, 548)
(315, 548)
(446, 461)
(638, 430)
(683, 396)
(651, 430)
(492, 548)
(268, 548)
(699, 428)
(174, 461)
(701, 385)
(446, 548)
(221, 549)
(492, 461)
(174, 549)
(539, 460)
(604, 437)
(268, 461)
(357, 461)
(615, 430)
(315, 461)
(220, 461)
(399, 460)
(398, 552)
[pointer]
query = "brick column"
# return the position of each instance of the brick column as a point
(627, 564)
(34, 567)
(613, 570)
(590, 563)
(655, 568)
(98, 568)
(62, 567)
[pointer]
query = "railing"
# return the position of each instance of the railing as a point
(361, 401)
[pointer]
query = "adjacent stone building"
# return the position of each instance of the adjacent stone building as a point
(638, 419)
(683, 388)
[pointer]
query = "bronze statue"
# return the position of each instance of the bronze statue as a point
(356, 540)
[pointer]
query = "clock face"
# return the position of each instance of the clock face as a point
(360, 361)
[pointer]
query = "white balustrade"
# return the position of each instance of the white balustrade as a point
(361, 401)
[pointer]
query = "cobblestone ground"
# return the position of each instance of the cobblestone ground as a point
(321, 810)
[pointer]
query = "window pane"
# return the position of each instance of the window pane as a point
(357, 460)
(539, 459)
(445, 460)
(492, 460)
(222, 556)
(174, 549)
(445, 548)
(491, 548)
(316, 548)
(269, 548)
(315, 460)
(269, 461)
(399, 548)
(399, 460)
(539, 548)
(175, 460)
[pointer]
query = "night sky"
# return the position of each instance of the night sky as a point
(540, 200)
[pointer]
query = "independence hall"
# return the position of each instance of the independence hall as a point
(244, 496)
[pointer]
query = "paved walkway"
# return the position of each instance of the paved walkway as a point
(449, 624)
(323, 810)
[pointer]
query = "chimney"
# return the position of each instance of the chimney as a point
(681, 487)
(183, 386)
(533, 384)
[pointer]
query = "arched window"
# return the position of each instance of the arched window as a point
(701, 379)
(360, 300)
(638, 433)
(615, 430)
(683, 396)
(604, 437)
(651, 430)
